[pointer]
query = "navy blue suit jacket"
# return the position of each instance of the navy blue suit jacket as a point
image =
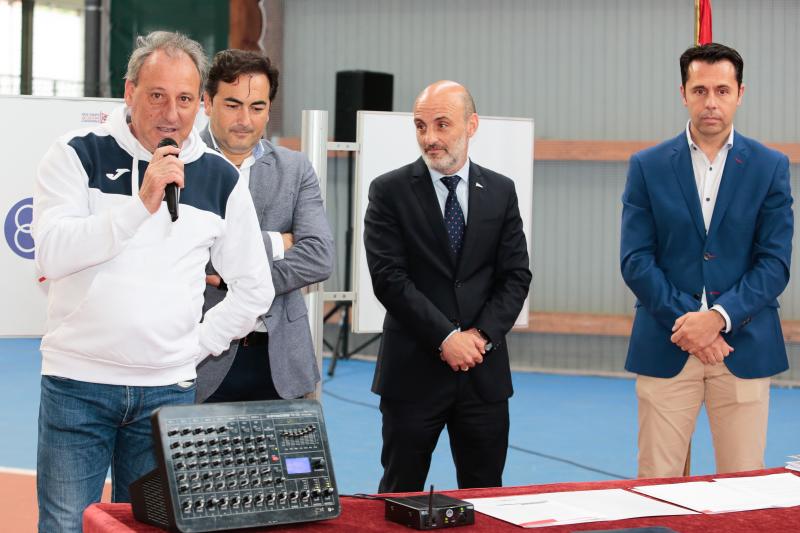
(667, 258)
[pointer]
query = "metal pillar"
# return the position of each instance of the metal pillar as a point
(26, 49)
(314, 143)
(91, 47)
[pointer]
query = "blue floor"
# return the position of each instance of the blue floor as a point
(563, 428)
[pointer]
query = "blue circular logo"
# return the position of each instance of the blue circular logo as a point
(17, 228)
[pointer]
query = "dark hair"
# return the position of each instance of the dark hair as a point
(711, 53)
(230, 64)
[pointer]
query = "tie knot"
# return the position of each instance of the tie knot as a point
(451, 182)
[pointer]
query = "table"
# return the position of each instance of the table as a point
(359, 515)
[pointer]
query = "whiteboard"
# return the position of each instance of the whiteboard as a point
(388, 141)
(30, 126)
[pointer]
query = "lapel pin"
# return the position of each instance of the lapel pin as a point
(738, 160)
(479, 185)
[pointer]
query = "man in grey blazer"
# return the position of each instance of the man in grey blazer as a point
(276, 360)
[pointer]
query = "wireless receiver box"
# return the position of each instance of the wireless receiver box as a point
(435, 511)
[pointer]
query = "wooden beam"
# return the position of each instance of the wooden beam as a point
(553, 150)
(599, 324)
(244, 28)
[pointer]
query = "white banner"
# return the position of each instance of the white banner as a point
(30, 125)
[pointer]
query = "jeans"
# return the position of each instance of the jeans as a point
(83, 429)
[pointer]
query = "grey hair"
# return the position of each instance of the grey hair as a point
(171, 43)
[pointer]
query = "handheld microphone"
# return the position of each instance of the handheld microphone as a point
(171, 191)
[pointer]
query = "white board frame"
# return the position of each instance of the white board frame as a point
(386, 141)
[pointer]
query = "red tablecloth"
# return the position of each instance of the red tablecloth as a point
(367, 515)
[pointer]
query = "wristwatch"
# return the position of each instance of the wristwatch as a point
(489, 345)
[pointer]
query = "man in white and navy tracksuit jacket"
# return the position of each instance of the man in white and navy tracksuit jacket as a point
(124, 330)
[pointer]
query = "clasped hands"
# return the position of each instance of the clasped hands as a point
(698, 333)
(463, 350)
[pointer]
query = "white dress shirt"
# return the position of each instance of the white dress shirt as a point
(707, 177)
(275, 237)
(462, 188)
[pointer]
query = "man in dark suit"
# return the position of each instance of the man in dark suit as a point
(449, 261)
(706, 245)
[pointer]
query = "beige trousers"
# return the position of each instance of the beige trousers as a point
(668, 407)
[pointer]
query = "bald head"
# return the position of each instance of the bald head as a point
(445, 119)
(446, 89)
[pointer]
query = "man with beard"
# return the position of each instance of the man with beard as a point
(449, 261)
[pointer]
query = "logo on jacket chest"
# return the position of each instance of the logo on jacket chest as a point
(120, 172)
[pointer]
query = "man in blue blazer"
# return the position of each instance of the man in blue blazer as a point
(706, 245)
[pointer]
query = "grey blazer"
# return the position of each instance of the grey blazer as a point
(286, 194)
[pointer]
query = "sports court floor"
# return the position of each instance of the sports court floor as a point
(563, 428)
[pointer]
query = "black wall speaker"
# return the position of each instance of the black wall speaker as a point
(360, 90)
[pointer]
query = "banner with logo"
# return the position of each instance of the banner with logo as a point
(30, 125)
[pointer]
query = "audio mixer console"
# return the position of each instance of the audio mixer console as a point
(237, 465)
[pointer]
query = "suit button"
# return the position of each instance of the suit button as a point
(708, 256)
(459, 284)
(456, 322)
(697, 296)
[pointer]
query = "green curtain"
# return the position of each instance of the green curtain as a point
(205, 21)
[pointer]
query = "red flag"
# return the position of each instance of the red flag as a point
(702, 22)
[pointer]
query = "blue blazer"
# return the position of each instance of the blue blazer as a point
(667, 258)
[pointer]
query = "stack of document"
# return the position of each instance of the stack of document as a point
(727, 495)
(793, 463)
(560, 508)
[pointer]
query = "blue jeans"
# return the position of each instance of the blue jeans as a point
(83, 429)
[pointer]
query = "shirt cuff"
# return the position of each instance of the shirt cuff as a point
(718, 308)
(448, 336)
(277, 245)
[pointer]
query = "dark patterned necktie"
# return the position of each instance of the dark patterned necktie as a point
(453, 216)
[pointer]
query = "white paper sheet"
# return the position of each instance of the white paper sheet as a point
(531, 510)
(706, 497)
(559, 508)
(618, 504)
(782, 489)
